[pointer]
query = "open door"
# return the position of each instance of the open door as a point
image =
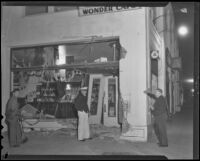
(111, 101)
(95, 96)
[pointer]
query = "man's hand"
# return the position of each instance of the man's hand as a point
(151, 107)
(147, 91)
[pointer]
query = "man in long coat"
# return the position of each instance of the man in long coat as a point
(15, 133)
(160, 113)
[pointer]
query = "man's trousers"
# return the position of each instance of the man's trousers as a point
(83, 126)
(160, 129)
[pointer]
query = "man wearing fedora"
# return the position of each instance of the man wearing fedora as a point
(83, 110)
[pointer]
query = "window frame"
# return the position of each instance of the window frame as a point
(25, 11)
(64, 10)
(50, 9)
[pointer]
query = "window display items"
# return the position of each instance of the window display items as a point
(68, 87)
(71, 91)
(67, 96)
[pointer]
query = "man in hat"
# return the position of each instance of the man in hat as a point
(15, 132)
(160, 113)
(83, 110)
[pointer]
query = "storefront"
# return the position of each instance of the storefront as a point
(49, 78)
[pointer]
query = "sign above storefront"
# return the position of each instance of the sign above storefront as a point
(86, 11)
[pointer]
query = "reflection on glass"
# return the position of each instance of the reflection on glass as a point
(111, 97)
(28, 82)
(62, 50)
(65, 54)
(31, 57)
(94, 96)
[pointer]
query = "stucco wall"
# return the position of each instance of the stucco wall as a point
(65, 26)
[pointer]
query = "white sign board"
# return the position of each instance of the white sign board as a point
(86, 11)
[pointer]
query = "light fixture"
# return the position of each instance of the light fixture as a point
(191, 80)
(184, 10)
(68, 87)
(182, 30)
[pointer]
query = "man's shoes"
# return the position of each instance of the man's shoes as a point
(86, 139)
(160, 145)
(82, 140)
(24, 140)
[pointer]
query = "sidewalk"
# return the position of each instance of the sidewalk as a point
(64, 142)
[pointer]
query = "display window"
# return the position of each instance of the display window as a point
(50, 77)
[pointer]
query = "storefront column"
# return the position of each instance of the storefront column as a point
(5, 73)
(162, 68)
(133, 82)
(5, 60)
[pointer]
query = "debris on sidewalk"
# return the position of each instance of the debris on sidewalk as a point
(68, 127)
(68, 123)
(105, 133)
(49, 124)
(65, 132)
(28, 111)
(43, 127)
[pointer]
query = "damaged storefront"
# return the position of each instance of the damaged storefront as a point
(50, 77)
(109, 51)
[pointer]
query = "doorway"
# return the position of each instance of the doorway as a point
(103, 99)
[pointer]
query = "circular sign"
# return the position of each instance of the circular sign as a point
(154, 54)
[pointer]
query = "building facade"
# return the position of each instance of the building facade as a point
(139, 38)
(163, 19)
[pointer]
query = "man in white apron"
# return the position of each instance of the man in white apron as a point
(83, 110)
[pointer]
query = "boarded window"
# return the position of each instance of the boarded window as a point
(32, 10)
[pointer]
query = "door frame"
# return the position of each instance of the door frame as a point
(96, 119)
(111, 121)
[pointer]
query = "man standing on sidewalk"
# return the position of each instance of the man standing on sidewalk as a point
(83, 110)
(160, 113)
(13, 114)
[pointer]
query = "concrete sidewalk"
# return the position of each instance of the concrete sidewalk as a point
(180, 136)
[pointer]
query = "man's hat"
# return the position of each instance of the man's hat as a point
(160, 90)
(84, 88)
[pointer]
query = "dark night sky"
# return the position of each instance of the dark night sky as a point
(186, 43)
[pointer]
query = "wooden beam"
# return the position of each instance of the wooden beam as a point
(104, 65)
